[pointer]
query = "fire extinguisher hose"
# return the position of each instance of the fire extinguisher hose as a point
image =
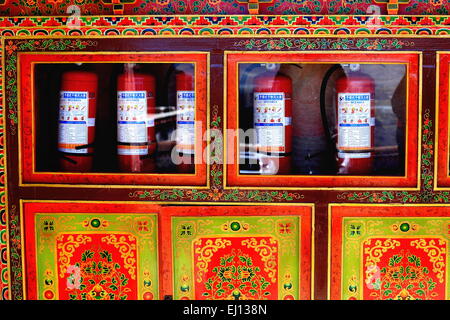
(323, 112)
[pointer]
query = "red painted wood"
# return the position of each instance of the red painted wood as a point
(443, 177)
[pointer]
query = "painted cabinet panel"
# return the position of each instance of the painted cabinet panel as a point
(393, 252)
(240, 253)
(91, 251)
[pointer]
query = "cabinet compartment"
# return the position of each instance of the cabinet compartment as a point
(118, 145)
(322, 120)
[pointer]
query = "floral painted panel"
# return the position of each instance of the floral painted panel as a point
(237, 257)
(397, 253)
(91, 256)
(247, 268)
(99, 274)
(404, 269)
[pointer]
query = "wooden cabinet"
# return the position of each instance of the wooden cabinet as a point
(169, 217)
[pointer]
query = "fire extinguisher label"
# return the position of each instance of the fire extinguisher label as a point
(354, 121)
(132, 122)
(73, 121)
(270, 121)
(185, 121)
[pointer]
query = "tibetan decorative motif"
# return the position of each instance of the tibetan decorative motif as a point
(253, 5)
(226, 255)
(107, 273)
(248, 272)
(171, 7)
(404, 269)
(389, 253)
(268, 24)
(322, 44)
(90, 256)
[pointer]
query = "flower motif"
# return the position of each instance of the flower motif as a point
(142, 225)
(215, 194)
(246, 273)
(436, 2)
(285, 228)
(10, 47)
(186, 230)
(49, 225)
(355, 230)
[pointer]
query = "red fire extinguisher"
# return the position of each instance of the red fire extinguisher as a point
(136, 140)
(185, 124)
(76, 123)
(272, 116)
(355, 123)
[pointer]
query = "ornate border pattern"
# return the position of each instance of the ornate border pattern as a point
(229, 25)
(170, 7)
(132, 229)
(58, 235)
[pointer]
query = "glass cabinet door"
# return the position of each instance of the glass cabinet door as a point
(322, 119)
(114, 118)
